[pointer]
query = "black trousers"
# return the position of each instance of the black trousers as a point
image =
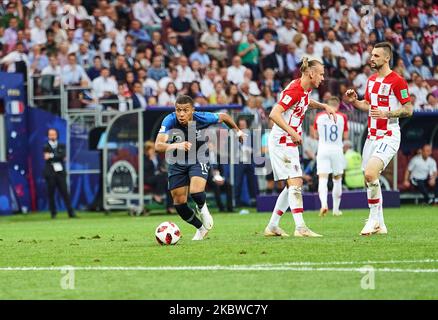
(218, 191)
(423, 187)
(242, 170)
(159, 186)
(58, 181)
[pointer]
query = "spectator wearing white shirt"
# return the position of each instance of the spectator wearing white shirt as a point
(145, 13)
(236, 71)
(185, 73)
(207, 82)
(241, 11)
(422, 173)
(420, 68)
(53, 69)
(360, 82)
(38, 33)
(354, 60)
(104, 87)
(331, 42)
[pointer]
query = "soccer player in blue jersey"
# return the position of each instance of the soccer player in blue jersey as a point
(188, 175)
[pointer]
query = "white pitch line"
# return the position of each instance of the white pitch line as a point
(219, 268)
(328, 263)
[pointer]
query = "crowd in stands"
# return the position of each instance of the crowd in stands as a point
(217, 51)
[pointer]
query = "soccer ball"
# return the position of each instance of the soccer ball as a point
(167, 233)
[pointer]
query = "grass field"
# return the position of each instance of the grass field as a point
(235, 262)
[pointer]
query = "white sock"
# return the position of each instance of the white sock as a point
(202, 228)
(296, 205)
(337, 194)
(323, 191)
(280, 207)
(374, 193)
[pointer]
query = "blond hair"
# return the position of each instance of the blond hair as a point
(308, 62)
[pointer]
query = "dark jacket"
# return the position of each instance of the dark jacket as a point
(59, 154)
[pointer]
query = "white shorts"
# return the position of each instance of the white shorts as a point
(330, 161)
(384, 149)
(285, 160)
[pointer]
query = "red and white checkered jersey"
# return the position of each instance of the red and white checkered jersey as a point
(330, 134)
(386, 94)
(295, 101)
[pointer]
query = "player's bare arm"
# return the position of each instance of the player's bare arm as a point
(362, 105)
(162, 146)
(313, 104)
(404, 112)
(226, 118)
(276, 116)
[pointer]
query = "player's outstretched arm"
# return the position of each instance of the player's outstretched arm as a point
(162, 146)
(358, 104)
(404, 112)
(226, 118)
(277, 117)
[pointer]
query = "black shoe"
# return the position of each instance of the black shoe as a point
(53, 216)
(73, 216)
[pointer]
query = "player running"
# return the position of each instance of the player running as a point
(386, 99)
(184, 177)
(283, 142)
(330, 156)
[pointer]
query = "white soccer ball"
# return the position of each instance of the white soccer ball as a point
(167, 233)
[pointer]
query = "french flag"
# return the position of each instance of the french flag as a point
(16, 107)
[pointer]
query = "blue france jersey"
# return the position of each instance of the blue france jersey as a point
(179, 133)
(203, 121)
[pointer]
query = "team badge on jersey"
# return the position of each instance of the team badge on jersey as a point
(384, 89)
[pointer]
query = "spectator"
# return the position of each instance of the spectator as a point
(172, 77)
(185, 73)
(429, 58)
(249, 53)
(207, 82)
(360, 82)
(218, 96)
(173, 48)
(156, 71)
(10, 35)
(94, 71)
(236, 71)
(422, 173)
(420, 89)
(270, 81)
(215, 48)
(85, 56)
(353, 57)
(155, 176)
(267, 49)
(138, 33)
(222, 11)
(181, 26)
(119, 68)
(168, 96)
(329, 60)
(245, 169)
(241, 34)
(335, 46)
(74, 74)
(292, 59)
(287, 32)
(233, 94)
(38, 32)
(253, 86)
(201, 55)
(145, 13)
(432, 103)
(104, 87)
(269, 99)
(55, 173)
(53, 69)
(418, 67)
(197, 23)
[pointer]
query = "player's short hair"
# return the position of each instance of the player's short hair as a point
(385, 46)
(184, 99)
(308, 62)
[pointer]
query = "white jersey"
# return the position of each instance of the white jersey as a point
(330, 134)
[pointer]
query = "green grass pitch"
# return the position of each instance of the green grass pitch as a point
(405, 261)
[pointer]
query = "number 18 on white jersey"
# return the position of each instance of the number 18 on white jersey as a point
(330, 133)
